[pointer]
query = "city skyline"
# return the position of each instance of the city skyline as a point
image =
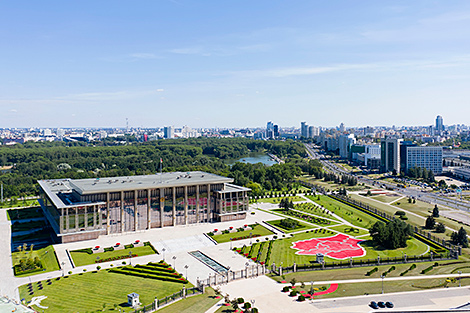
(215, 64)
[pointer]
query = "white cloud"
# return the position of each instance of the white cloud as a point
(160, 90)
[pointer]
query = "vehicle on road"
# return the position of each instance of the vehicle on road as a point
(389, 304)
(381, 304)
(373, 305)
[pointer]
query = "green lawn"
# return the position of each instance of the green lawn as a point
(194, 304)
(350, 214)
(83, 258)
(278, 199)
(348, 231)
(46, 255)
(257, 230)
(19, 203)
(89, 291)
(313, 209)
(302, 226)
(386, 199)
(282, 249)
(445, 267)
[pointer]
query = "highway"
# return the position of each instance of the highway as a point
(425, 196)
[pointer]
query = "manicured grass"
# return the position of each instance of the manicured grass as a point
(89, 291)
(313, 209)
(359, 272)
(350, 214)
(347, 230)
(385, 198)
(46, 255)
(278, 199)
(83, 258)
(194, 304)
(307, 217)
(302, 226)
(257, 230)
(19, 203)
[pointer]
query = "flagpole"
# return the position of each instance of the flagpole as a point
(161, 166)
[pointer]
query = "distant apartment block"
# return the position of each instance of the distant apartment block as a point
(424, 157)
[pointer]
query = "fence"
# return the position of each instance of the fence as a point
(252, 270)
(159, 303)
(313, 266)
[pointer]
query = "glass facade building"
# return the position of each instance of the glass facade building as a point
(87, 208)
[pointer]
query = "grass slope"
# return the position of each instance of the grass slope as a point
(257, 230)
(83, 258)
(46, 255)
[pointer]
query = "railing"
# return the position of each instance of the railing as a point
(159, 303)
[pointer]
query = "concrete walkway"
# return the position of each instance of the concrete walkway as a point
(7, 280)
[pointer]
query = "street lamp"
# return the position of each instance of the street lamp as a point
(382, 276)
(163, 251)
(460, 282)
(130, 257)
(186, 268)
(174, 262)
(63, 263)
(252, 303)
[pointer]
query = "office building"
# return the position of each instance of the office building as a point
(83, 209)
(429, 158)
(304, 129)
(313, 131)
(169, 132)
(439, 124)
(345, 142)
(390, 155)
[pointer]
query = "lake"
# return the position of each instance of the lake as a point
(254, 158)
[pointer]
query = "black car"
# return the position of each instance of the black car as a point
(389, 304)
(381, 304)
(373, 305)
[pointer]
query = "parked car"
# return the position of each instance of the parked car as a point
(381, 304)
(389, 304)
(373, 305)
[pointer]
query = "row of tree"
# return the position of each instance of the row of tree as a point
(343, 179)
(392, 235)
(421, 172)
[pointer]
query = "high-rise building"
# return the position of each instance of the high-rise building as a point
(313, 131)
(341, 128)
(345, 142)
(429, 158)
(276, 130)
(439, 124)
(270, 130)
(390, 155)
(303, 129)
(169, 132)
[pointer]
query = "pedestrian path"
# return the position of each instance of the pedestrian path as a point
(7, 285)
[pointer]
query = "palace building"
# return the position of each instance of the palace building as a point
(83, 209)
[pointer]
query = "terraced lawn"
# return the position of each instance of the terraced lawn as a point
(257, 230)
(277, 200)
(302, 226)
(83, 258)
(97, 291)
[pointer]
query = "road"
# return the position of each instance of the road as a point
(429, 197)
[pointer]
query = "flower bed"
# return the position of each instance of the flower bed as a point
(121, 257)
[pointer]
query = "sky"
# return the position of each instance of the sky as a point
(212, 63)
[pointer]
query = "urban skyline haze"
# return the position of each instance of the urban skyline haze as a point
(233, 63)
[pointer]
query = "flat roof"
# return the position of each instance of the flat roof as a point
(128, 183)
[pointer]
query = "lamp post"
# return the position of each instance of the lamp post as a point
(63, 273)
(174, 262)
(186, 268)
(252, 303)
(460, 282)
(246, 269)
(130, 257)
(163, 251)
(382, 276)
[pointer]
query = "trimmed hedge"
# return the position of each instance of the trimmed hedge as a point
(372, 271)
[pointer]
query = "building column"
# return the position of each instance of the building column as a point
(67, 222)
(174, 206)
(149, 203)
(94, 216)
(197, 204)
(136, 222)
(77, 211)
(108, 230)
(61, 220)
(100, 218)
(162, 205)
(86, 218)
(122, 211)
(186, 205)
(209, 203)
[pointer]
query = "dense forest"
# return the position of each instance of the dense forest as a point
(33, 161)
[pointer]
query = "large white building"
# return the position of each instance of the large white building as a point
(345, 142)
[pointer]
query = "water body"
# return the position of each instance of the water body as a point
(254, 158)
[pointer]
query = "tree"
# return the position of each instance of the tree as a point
(430, 222)
(435, 211)
(440, 228)
(460, 238)
(391, 235)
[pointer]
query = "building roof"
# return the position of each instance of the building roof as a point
(127, 183)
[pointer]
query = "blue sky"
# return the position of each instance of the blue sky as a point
(233, 63)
